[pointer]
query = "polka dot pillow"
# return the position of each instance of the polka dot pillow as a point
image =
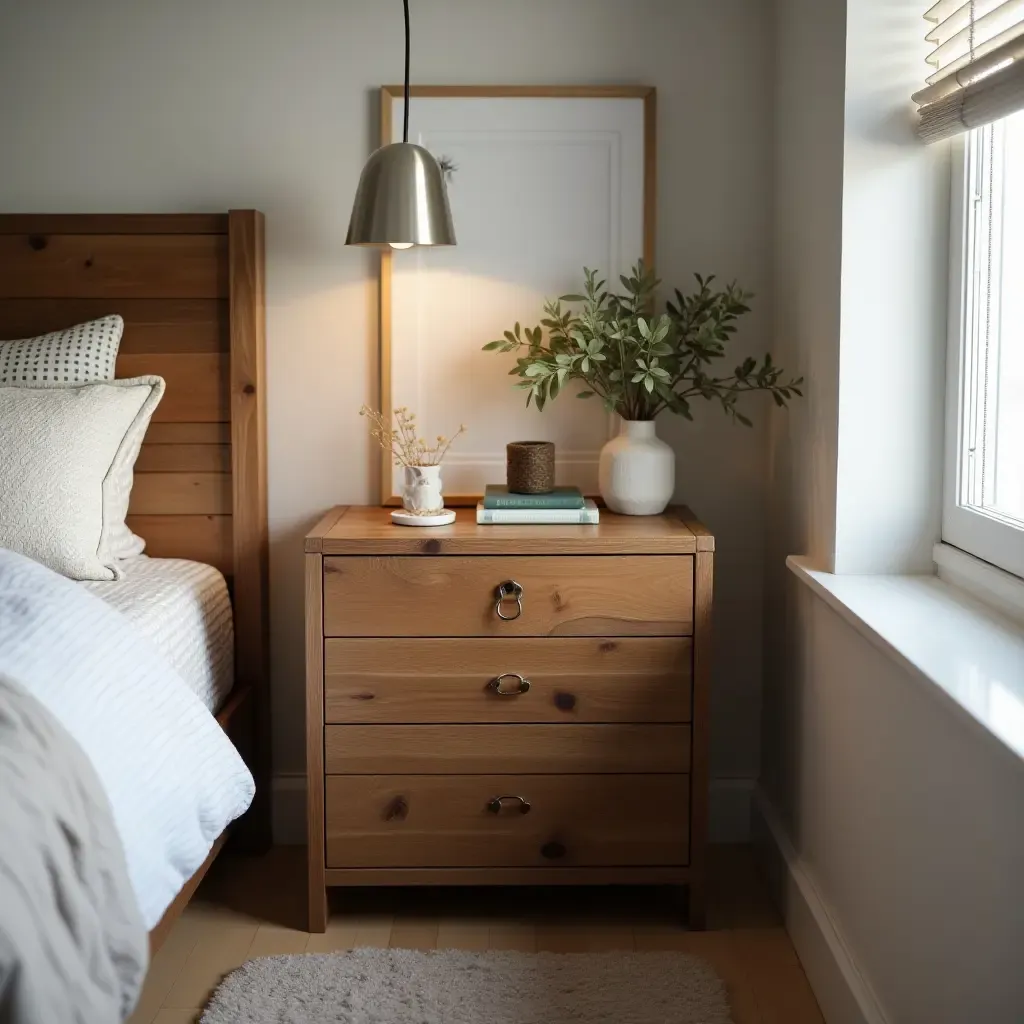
(79, 355)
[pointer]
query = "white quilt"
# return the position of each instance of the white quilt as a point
(173, 779)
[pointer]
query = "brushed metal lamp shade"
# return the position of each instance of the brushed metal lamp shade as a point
(401, 200)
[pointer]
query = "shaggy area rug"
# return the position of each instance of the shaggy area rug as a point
(399, 986)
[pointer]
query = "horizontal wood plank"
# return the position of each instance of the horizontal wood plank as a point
(369, 531)
(188, 433)
(181, 494)
(197, 384)
(150, 325)
(500, 749)
(507, 876)
(184, 458)
(574, 679)
(456, 596)
(201, 538)
(452, 821)
(114, 223)
(168, 266)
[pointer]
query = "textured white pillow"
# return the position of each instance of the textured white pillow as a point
(61, 449)
(78, 355)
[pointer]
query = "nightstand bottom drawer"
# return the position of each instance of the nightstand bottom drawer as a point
(506, 820)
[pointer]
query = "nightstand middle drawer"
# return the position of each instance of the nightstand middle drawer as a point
(564, 679)
(450, 595)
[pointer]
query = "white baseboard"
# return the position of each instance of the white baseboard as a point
(730, 809)
(842, 990)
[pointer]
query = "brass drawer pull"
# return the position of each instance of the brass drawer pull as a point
(509, 590)
(495, 684)
(495, 804)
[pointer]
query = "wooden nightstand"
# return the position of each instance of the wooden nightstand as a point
(562, 741)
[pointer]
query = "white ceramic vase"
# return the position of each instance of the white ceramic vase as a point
(421, 490)
(637, 473)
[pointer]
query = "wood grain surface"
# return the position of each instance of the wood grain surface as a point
(369, 531)
(498, 749)
(575, 596)
(577, 679)
(113, 266)
(446, 821)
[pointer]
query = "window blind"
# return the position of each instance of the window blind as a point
(978, 66)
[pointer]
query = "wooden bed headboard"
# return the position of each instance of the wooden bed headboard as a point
(190, 288)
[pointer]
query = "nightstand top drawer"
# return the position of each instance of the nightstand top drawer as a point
(369, 531)
(583, 595)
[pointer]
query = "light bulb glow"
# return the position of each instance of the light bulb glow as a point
(401, 245)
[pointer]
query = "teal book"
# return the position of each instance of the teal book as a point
(499, 496)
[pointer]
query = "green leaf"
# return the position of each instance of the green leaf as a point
(649, 384)
(536, 370)
(510, 336)
(572, 298)
(492, 345)
(517, 329)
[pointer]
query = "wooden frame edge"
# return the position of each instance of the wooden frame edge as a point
(250, 540)
(388, 93)
(668, 875)
(703, 586)
(158, 934)
(315, 797)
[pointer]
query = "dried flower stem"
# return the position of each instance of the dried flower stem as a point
(407, 448)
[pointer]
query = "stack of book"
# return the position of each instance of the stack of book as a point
(562, 505)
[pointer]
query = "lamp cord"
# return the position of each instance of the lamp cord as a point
(405, 113)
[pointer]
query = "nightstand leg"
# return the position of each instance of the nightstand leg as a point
(318, 911)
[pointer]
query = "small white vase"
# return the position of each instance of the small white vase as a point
(637, 473)
(421, 490)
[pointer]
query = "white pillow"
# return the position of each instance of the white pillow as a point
(62, 450)
(78, 355)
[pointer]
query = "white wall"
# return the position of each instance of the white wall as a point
(902, 828)
(116, 105)
(908, 827)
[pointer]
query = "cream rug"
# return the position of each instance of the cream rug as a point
(399, 986)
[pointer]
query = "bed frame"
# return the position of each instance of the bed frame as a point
(190, 288)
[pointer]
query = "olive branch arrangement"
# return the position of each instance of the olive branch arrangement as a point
(407, 448)
(637, 363)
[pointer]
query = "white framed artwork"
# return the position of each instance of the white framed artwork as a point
(543, 182)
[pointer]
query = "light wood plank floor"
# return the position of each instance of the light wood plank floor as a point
(250, 907)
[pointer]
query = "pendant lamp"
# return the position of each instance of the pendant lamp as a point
(401, 200)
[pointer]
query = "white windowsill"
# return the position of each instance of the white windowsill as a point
(973, 658)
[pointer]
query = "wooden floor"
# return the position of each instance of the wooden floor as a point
(253, 907)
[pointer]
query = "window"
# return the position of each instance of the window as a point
(983, 508)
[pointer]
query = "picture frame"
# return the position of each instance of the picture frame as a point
(583, 194)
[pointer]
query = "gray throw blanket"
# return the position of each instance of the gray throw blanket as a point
(73, 947)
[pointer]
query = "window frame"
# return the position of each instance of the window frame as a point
(983, 536)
